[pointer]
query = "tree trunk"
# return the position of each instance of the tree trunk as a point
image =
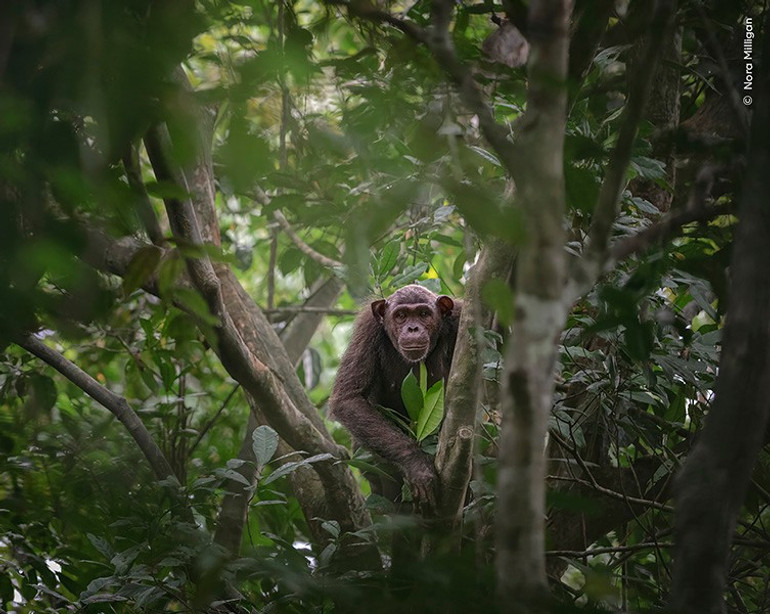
(713, 483)
(233, 512)
(538, 318)
(454, 458)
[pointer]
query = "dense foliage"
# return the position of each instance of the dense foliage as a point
(342, 157)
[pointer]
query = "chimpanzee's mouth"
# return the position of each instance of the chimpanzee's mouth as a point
(415, 353)
(414, 348)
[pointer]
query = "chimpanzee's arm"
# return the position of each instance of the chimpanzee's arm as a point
(357, 376)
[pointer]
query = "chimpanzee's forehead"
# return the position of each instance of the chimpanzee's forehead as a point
(412, 294)
(410, 304)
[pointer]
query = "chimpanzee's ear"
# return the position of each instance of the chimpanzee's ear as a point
(445, 304)
(378, 309)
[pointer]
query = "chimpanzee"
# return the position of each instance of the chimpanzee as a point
(391, 338)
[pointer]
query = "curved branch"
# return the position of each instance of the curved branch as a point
(292, 422)
(665, 229)
(331, 263)
(116, 404)
(302, 246)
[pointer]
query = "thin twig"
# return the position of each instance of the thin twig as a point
(302, 246)
(608, 550)
(261, 197)
(612, 493)
(213, 420)
(329, 311)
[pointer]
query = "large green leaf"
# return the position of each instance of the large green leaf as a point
(412, 396)
(432, 412)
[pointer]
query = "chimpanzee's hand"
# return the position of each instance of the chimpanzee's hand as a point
(421, 475)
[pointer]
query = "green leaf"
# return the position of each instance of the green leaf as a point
(264, 444)
(43, 394)
(102, 545)
(231, 474)
(423, 378)
(412, 396)
(433, 411)
(432, 283)
(6, 589)
(332, 527)
(367, 467)
(169, 271)
(409, 274)
(491, 158)
(388, 258)
(293, 466)
(582, 188)
(166, 190)
(141, 268)
(195, 304)
(498, 295)
(647, 168)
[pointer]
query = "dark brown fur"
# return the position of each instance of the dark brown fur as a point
(373, 368)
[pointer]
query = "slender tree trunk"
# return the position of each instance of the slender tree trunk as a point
(454, 458)
(538, 318)
(712, 485)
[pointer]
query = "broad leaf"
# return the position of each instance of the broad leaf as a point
(142, 266)
(412, 396)
(432, 411)
(293, 466)
(231, 474)
(264, 444)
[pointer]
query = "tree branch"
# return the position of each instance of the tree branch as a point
(579, 554)
(329, 263)
(456, 439)
(144, 206)
(117, 405)
(438, 43)
(607, 206)
(663, 230)
(293, 424)
(294, 309)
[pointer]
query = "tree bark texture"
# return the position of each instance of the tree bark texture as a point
(307, 488)
(246, 343)
(713, 482)
(538, 317)
(278, 393)
(454, 457)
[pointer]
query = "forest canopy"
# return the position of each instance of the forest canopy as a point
(197, 198)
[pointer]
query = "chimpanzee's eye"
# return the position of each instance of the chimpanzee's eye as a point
(425, 313)
(399, 316)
